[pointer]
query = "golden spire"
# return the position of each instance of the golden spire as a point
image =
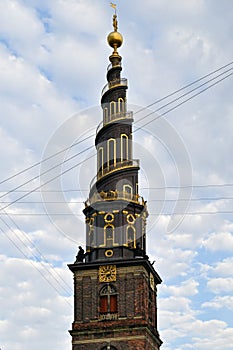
(115, 39)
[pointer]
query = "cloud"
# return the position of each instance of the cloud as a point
(202, 334)
(186, 288)
(224, 268)
(176, 305)
(219, 241)
(211, 334)
(171, 262)
(20, 27)
(219, 302)
(218, 285)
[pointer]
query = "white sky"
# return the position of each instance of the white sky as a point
(53, 60)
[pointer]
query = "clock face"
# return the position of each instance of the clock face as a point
(107, 273)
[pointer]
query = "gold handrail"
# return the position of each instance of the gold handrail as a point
(115, 167)
(114, 83)
(114, 195)
(115, 118)
(118, 166)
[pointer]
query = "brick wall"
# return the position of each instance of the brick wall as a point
(132, 329)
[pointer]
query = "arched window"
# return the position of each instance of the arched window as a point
(109, 347)
(112, 109)
(109, 235)
(128, 191)
(111, 152)
(100, 161)
(105, 115)
(108, 299)
(124, 147)
(131, 236)
(121, 105)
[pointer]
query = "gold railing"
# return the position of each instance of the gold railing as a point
(114, 118)
(114, 167)
(110, 66)
(114, 195)
(114, 83)
(119, 165)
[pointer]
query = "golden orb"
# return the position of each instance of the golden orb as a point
(115, 39)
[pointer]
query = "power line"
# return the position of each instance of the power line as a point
(152, 200)
(31, 262)
(181, 103)
(166, 112)
(191, 199)
(142, 188)
(40, 254)
(151, 214)
(137, 121)
(185, 87)
(55, 191)
(193, 213)
(142, 109)
(45, 172)
(187, 93)
(188, 186)
(45, 159)
(45, 183)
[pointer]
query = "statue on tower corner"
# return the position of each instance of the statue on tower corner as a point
(80, 256)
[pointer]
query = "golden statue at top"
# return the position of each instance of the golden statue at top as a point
(115, 39)
(115, 23)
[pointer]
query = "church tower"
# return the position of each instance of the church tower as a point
(114, 281)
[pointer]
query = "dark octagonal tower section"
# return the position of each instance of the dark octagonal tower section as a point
(115, 285)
